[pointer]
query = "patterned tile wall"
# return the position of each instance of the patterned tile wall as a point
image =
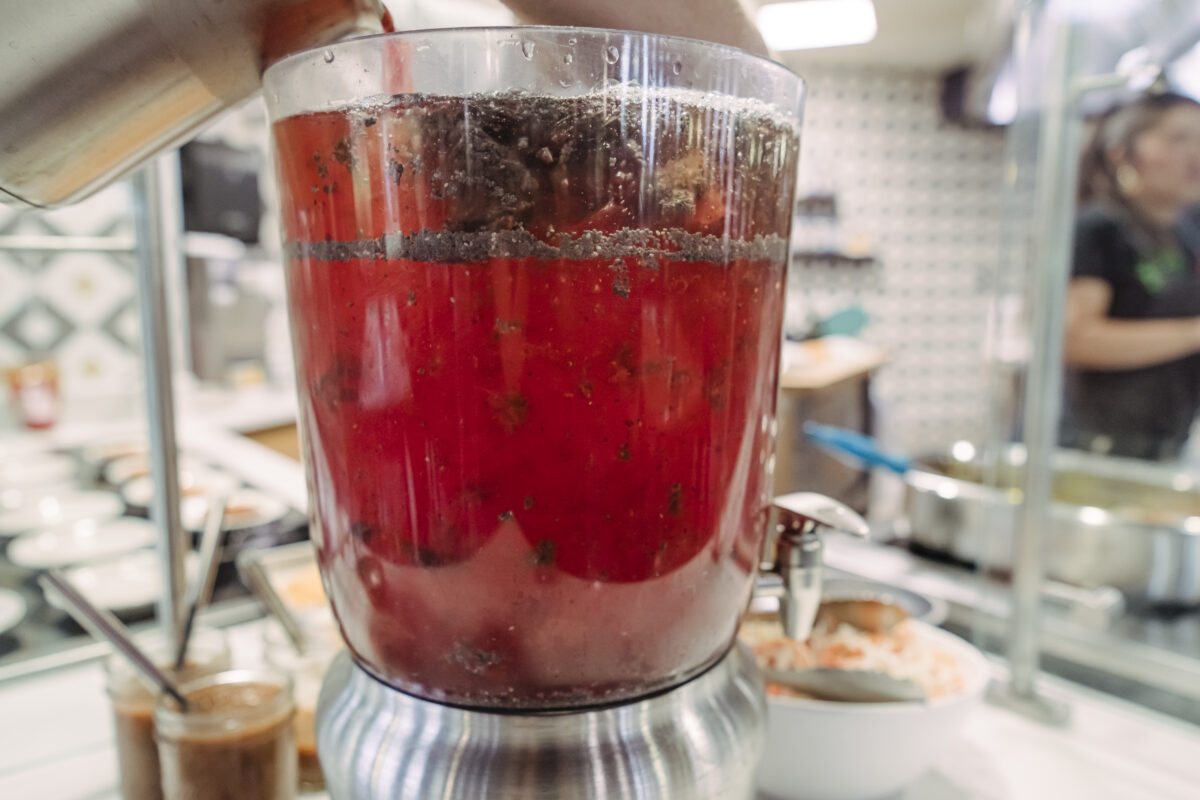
(929, 198)
(78, 308)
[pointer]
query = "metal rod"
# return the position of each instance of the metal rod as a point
(158, 237)
(254, 576)
(201, 588)
(103, 625)
(1054, 213)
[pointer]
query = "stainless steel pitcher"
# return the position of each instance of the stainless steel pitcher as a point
(91, 88)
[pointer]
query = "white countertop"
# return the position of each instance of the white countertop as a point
(56, 744)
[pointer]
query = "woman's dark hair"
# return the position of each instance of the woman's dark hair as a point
(1119, 127)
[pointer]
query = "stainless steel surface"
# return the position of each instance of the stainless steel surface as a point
(103, 625)
(159, 228)
(94, 87)
(699, 741)
(801, 516)
(1147, 546)
(847, 685)
(210, 558)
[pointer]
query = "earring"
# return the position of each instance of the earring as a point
(1128, 179)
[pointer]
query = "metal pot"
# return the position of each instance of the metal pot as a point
(91, 88)
(1128, 524)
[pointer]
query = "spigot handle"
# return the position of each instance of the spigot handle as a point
(804, 511)
(798, 554)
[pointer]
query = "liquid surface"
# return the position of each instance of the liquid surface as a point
(537, 345)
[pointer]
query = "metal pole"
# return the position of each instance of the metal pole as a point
(1054, 213)
(158, 232)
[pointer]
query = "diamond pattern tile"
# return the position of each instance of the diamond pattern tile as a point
(85, 287)
(124, 325)
(91, 364)
(14, 287)
(38, 327)
(79, 309)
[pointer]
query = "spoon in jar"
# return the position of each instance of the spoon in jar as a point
(210, 556)
(103, 625)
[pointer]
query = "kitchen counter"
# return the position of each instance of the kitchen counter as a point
(57, 745)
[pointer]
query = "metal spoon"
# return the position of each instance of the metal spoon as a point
(846, 685)
(254, 576)
(210, 556)
(103, 625)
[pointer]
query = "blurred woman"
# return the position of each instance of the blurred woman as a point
(1132, 334)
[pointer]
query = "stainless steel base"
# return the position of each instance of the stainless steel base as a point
(700, 741)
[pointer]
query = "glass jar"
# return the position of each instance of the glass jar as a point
(537, 335)
(236, 739)
(133, 706)
(307, 671)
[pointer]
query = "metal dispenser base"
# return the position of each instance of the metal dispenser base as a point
(699, 741)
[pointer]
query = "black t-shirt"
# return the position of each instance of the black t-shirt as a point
(1146, 412)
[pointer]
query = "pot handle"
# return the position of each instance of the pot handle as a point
(801, 516)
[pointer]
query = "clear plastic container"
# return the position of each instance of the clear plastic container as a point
(536, 280)
(237, 738)
(133, 706)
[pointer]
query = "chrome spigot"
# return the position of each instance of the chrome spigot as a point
(798, 560)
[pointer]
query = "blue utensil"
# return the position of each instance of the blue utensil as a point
(863, 448)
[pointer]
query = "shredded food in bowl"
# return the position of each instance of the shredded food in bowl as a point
(901, 653)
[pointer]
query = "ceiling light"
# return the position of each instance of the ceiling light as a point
(817, 23)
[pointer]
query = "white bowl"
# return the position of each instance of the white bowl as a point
(818, 750)
(123, 585)
(84, 542)
(248, 508)
(37, 469)
(126, 468)
(12, 610)
(196, 481)
(54, 510)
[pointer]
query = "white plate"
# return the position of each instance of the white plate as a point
(248, 508)
(193, 482)
(56, 510)
(12, 610)
(129, 583)
(84, 542)
(103, 452)
(37, 469)
(137, 466)
(15, 498)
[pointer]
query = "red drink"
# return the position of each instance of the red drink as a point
(537, 344)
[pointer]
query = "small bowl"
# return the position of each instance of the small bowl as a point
(819, 750)
(248, 508)
(84, 542)
(52, 510)
(37, 469)
(129, 584)
(12, 610)
(194, 482)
